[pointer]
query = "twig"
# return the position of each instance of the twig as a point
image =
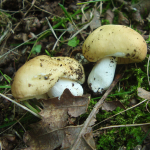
(43, 9)
(35, 114)
(28, 41)
(147, 106)
(21, 44)
(94, 111)
(13, 124)
(51, 28)
(58, 40)
(82, 9)
(33, 2)
(77, 29)
(121, 112)
(8, 27)
(9, 34)
(78, 32)
(148, 70)
(124, 125)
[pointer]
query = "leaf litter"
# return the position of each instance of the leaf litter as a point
(54, 130)
(59, 126)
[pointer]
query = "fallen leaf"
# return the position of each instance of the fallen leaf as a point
(52, 131)
(21, 36)
(109, 16)
(122, 19)
(143, 93)
(112, 105)
(89, 139)
(95, 23)
(96, 20)
(7, 142)
(142, 6)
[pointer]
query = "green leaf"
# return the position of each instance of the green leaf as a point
(36, 49)
(91, 2)
(74, 42)
(46, 51)
(4, 86)
(65, 11)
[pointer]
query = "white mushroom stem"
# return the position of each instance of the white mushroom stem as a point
(57, 90)
(102, 74)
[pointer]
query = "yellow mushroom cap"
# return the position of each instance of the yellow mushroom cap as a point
(115, 40)
(39, 74)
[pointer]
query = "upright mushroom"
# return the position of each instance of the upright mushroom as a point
(109, 45)
(38, 77)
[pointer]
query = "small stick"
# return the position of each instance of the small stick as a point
(27, 109)
(123, 125)
(120, 113)
(94, 111)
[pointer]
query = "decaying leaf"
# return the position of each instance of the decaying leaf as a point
(143, 6)
(143, 93)
(137, 17)
(96, 20)
(146, 131)
(4, 59)
(109, 16)
(95, 23)
(122, 19)
(52, 131)
(112, 105)
(148, 18)
(7, 141)
(71, 134)
(135, 9)
(31, 24)
(21, 36)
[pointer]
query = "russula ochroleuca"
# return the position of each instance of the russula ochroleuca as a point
(36, 77)
(57, 90)
(109, 45)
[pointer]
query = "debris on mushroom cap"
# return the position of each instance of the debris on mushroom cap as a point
(59, 87)
(39, 74)
(115, 40)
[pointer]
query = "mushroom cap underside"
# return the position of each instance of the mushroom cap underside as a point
(39, 74)
(115, 40)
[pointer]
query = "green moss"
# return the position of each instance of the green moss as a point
(134, 76)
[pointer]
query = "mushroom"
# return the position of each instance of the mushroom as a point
(37, 77)
(57, 90)
(109, 45)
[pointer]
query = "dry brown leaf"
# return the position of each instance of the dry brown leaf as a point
(109, 16)
(71, 134)
(143, 6)
(122, 19)
(112, 105)
(136, 9)
(7, 142)
(4, 59)
(75, 105)
(96, 20)
(89, 139)
(95, 23)
(143, 93)
(146, 130)
(21, 36)
(136, 16)
(52, 131)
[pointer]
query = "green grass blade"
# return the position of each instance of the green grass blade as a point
(5, 86)
(65, 11)
(91, 2)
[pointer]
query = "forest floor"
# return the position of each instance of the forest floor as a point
(117, 119)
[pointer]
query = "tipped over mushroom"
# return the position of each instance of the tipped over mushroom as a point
(37, 78)
(109, 45)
